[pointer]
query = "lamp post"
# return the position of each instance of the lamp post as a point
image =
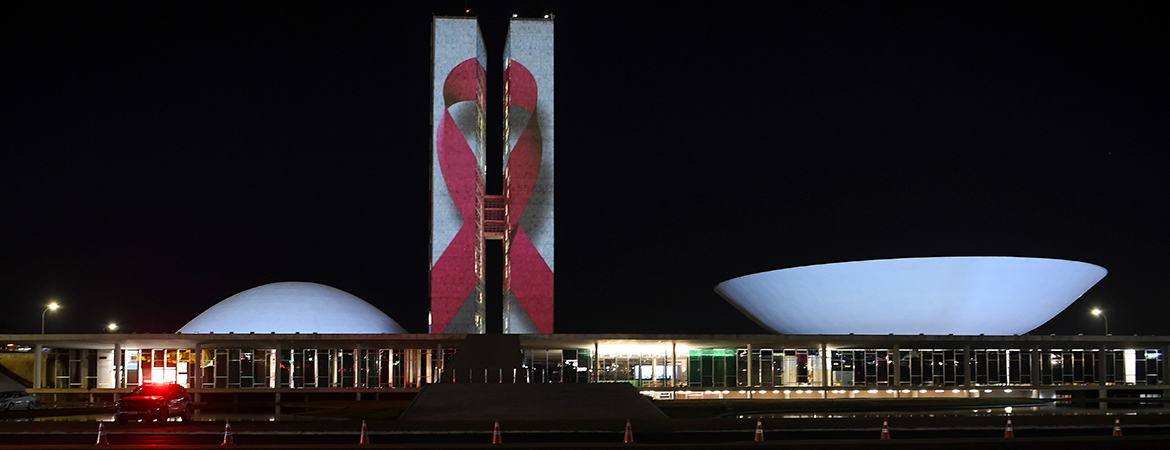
(1099, 312)
(52, 307)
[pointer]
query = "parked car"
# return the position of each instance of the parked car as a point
(10, 400)
(154, 402)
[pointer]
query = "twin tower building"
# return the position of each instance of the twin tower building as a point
(463, 214)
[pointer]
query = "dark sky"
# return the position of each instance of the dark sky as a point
(156, 158)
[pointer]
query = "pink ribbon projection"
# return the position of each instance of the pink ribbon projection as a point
(456, 273)
(527, 275)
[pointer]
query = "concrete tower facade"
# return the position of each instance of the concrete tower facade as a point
(463, 215)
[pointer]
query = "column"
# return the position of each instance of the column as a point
(274, 369)
(38, 366)
(357, 365)
(640, 362)
(596, 363)
(198, 378)
(117, 380)
(653, 369)
(1037, 367)
(825, 362)
(428, 365)
(316, 371)
(293, 368)
(673, 364)
(1102, 392)
(413, 359)
(897, 368)
(334, 375)
(748, 382)
(967, 366)
(292, 384)
(84, 368)
(1100, 365)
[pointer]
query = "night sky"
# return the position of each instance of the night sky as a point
(158, 157)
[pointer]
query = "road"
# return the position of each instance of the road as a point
(1075, 432)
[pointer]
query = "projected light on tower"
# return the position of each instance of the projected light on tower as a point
(463, 215)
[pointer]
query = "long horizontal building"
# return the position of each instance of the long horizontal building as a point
(662, 366)
(260, 341)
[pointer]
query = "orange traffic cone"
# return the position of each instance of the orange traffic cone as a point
(629, 437)
(496, 434)
(102, 434)
(1008, 433)
(885, 428)
(365, 439)
(1117, 427)
(227, 434)
(759, 430)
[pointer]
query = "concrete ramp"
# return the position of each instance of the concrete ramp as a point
(12, 381)
(8, 384)
(458, 401)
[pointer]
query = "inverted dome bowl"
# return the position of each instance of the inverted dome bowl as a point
(944, 295)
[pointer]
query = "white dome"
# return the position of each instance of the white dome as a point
(945, 295)
(293, 307)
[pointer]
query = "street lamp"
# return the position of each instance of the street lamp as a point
(1099, 312)
(52, 307)
(112, 327)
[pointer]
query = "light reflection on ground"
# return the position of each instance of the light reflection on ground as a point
(271, 415)
(199, 416)
(1025, 410)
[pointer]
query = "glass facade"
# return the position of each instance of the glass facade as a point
(234, 368)
(879, 368)
(554, 366)
(651, 365)
(642, 369)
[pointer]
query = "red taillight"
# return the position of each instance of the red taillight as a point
(155, 397)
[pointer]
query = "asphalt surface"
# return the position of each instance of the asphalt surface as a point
(1065, 432)
(327, 425)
